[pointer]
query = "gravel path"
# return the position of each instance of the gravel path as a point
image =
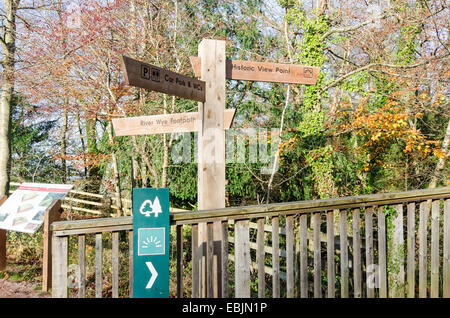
(10, 289)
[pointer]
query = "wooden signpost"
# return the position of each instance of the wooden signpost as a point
(212, 67)
(212, 115)
(211, 173)
(157, 79)
(162, 124)
(211, 121)
(264, 71)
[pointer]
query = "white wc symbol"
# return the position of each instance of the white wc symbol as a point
(148, 207)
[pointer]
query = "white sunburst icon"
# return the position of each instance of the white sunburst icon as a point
(151, 241)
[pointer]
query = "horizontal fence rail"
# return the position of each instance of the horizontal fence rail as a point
(94, 203)
(382, 245)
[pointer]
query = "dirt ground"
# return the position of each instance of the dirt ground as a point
(10, 289)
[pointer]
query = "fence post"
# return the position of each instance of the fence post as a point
(344, 254)
(303, 256)
(2, 241)
(51, 215)
(195, 262)
(382, 252)
(357, 275)
(331, 272)
(260, 259)
(446, 256)
(411, 247)
(396, 251)
(224, 259)
(180, 267)
(369, 251)
(275, 257)
(210, 290)
(98, 265)
(423, 246)
(130, 262)
(315, 220)
(434, 292)
(59, 265)
(290, 256)
(242, 258)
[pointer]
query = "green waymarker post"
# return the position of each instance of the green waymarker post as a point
(151, 229)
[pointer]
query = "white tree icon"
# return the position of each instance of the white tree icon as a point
(148, 207)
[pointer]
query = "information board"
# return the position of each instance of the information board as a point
(151, 227)
(24, 210)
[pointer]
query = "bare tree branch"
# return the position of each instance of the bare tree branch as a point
(372, 65)
(353, 27)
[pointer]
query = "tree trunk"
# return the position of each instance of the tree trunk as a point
(8, 53)
(441, 162)
(165, 161)
(134, 172)
(144, 177)
(115, 171)
(83, 147)
(147, 163)
(94, 177)
(64, 145)
(165, 151)
(65, 105)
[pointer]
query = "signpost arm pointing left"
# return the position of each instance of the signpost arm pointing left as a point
(157, 79)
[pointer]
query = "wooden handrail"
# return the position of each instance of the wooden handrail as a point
(247, 212)
(298, 207)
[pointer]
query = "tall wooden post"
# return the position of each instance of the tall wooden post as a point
(2, 241)
(211, 159)
(52, 214)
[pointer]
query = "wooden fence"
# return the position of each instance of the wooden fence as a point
(94, 204)
(382, 245)
(91, 203)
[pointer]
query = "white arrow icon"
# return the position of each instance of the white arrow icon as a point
(153, 276)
